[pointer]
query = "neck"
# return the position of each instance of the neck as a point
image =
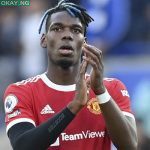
(62, 76)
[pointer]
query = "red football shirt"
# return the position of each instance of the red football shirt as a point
(37, 99)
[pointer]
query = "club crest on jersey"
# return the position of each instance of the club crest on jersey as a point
(93, 106)
(10, 103)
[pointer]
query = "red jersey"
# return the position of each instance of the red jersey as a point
(37, 99)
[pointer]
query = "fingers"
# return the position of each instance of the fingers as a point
(92, 52)
(92, 62)
(92, 48)
(82, 71)
(82, 87)
(94, 56)
(83, 68)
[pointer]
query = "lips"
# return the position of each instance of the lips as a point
(66, 50)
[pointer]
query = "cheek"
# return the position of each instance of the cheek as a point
(51, 42)
(79, 48)
(51, 45)
(80, 43)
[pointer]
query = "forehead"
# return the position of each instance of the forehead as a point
(65, 18)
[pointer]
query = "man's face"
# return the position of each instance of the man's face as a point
(64, 39)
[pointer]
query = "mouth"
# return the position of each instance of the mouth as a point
(66, 50)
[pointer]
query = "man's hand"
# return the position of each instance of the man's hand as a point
(94, 57)
(82, 85)
(82, 90)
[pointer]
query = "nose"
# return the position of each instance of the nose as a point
(67, 35)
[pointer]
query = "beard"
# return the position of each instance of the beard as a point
(65, 64)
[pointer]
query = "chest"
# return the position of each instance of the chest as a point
(86, 131)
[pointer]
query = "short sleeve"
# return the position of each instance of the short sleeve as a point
(120, 95)
(18, 105)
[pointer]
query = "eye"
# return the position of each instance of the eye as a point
(57, 29)
(76, 30)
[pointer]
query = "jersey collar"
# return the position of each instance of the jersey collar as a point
(57, 87)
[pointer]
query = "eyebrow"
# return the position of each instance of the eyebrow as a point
(60, 24)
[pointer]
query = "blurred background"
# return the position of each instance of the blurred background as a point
(121, 30)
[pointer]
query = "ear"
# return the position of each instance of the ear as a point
(43, 41)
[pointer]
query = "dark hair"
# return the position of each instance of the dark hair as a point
(73, 9)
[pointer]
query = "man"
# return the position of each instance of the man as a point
(64, 108)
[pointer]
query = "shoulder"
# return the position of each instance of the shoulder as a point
(24, 83)
(119, 94)
(116, 86)
(21, 87)
(28, 81)
(19, 93)
(112, 82)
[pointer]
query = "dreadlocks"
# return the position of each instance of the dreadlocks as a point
(73, 9)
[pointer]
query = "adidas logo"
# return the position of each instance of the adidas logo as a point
(47, 110)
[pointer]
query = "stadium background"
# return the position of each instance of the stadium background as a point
(121, 29)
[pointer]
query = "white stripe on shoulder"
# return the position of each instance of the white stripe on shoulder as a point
(29, 80)
(12, 123)
(128, 114)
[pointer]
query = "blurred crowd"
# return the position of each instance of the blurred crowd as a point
(21, 55)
